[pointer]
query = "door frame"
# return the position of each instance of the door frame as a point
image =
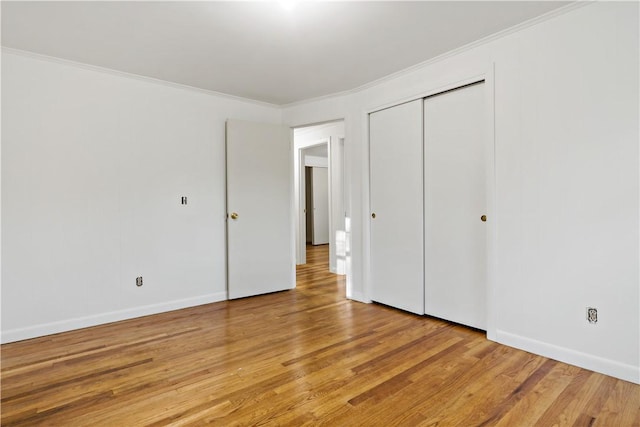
(486, 73)
(337, 181)
(300, 196)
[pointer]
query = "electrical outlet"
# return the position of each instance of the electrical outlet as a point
(592, 315)
(139, 281)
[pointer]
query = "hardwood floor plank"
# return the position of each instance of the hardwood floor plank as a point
(307, 356)
(62, 383)
(532, 405)
(622, 406)
(401, 380)
(557, 413)
(519, 393)
(594, 406)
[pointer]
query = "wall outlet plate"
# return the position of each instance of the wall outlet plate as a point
(139, 281)
(592, 315)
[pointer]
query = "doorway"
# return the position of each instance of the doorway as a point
(320, 148)
(317, 205)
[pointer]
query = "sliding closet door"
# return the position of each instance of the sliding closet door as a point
(455, 202)
(396, 216)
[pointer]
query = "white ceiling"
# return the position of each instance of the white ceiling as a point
(258, 50)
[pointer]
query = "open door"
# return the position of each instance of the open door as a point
(260, 255)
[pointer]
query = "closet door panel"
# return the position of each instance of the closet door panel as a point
(396, 217)
(455, 201)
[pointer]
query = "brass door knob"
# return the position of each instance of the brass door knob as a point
(483, 218)
(373, 215)
(234, 215)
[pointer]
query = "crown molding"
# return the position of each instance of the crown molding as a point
(110, 71)
(483, 41)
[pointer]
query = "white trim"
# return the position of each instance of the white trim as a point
(292, 207)
(112, 316)
(587, 361)
(332, 235)
(358, 296)
(110, 71)
(476, 77)
(316, 161)
(315, 127)
(491, 191)
(366, 209)
(1, 190)
(485, 40)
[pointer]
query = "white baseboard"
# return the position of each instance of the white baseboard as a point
(359, 296)
(19, 334)
(609, 367)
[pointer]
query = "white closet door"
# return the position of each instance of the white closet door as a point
(396, 215)
(259, 233)
(455, 200)
(320, 190)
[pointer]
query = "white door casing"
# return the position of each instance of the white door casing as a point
(396, 198)
(455, 199)
(337, 262)
(260, 256)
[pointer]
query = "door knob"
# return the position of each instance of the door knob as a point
(373, 215)
(483, 218)
(234, 215)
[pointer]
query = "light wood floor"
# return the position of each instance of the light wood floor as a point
(301, 357)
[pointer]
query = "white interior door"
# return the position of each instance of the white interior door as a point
(396, 182)
(259, 223)
(455, 200)
(320, 202)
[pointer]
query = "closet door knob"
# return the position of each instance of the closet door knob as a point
(234, 215)
(483, 218)
(373, 215)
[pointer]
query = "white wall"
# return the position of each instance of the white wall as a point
(565, 231)
(93, 168)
